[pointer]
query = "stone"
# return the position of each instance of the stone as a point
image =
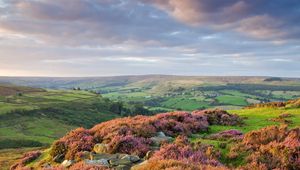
(100, 148)
(103, 162)
(123, 167)
(67, 163)
(106, 156)
(158, 140)
(59, 158)
(125, 160)
(161, 134)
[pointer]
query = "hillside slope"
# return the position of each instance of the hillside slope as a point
(264, 137)
(161, 93)
(34, 117)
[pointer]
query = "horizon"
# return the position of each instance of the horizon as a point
(141, 75)
(47, 38)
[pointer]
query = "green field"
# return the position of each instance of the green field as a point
(38, 118)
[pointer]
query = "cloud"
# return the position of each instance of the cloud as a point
(262, 19)
(111, 37)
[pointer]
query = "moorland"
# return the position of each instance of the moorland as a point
(36, 113)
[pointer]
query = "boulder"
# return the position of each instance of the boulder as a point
(125, 160)
(67, 163)
(158, 140)
(100, 148)
(106, 156)
(161, 134)
(103, 162)
(123, 167)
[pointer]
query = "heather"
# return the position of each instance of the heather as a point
(274, 147)
(207, 139)
(27, 158)
(132, 135)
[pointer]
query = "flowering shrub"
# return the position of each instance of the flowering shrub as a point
(75, 141)
(136, 131)
(175, 165)
(27, 158)
(272, 147)
(182, 150)
(227, 134)
(129, 145)
(219, 117)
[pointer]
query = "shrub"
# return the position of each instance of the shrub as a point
(174, 165)
(182, 150)
(129, 145)
(271, 147)
(27, 158)
(220, 117)
(75, 141)
(227, 134)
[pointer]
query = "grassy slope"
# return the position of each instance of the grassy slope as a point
(48, 115)
(256, 118)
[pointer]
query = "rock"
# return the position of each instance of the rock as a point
(103, 162)
(123, 167)
(132, 158)
(59, 158)
(67, 163)
(161, 134)
(125, 160)
(157, 140)
(106, 156)
(100, 148)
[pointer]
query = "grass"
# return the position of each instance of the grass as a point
(44, 116)
(255, 119)
(232, 100)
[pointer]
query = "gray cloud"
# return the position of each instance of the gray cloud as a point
(109, 37)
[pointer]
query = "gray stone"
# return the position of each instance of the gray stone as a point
(125, 160)
(67, 163)
(132, 158)
(157, 140)
(123, 167)
(161, 134)
(103, 162)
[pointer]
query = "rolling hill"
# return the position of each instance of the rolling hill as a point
(264, 136)
(161, 93)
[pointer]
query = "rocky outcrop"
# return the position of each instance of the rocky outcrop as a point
(160, 138)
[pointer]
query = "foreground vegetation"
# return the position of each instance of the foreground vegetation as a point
(259, 137)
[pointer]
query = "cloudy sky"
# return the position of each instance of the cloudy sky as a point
(125, 37)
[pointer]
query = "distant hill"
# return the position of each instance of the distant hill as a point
(161, 93)
(140, 80)
(7, 90)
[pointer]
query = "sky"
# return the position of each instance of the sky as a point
(80, 38)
